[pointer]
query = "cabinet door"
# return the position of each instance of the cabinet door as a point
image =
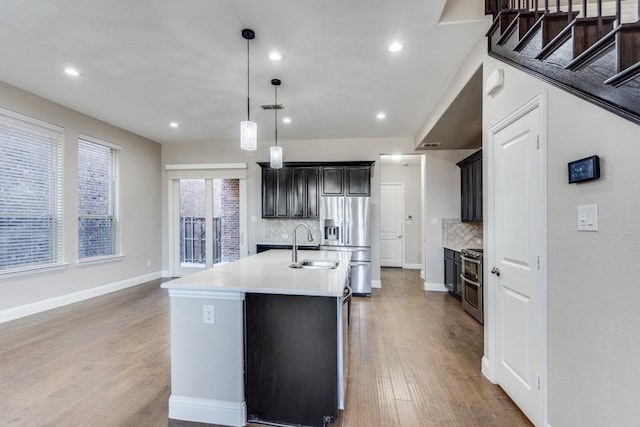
(466, 194)
(298, 190)
(358, 181)
(313, 197)
(449, 272)
(457, 281)
(476, 168)
(275, 193)
(332, 181)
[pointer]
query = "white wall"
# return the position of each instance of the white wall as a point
(294, 151)
(442, 200)
(409, 176)
(140, 206)
(593, 291)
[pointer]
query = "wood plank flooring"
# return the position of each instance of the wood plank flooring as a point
(414, 358)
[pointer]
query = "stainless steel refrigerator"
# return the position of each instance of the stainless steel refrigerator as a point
(345, 224)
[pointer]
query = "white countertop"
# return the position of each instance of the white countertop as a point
(269, 273)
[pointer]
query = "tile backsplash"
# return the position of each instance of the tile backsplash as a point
(457, 234)
(279, 231)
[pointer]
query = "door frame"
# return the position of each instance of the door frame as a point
(401, 185)
(208, 171)
(491, 293)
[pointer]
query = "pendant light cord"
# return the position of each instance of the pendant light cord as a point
(248, 111)
(276, 110)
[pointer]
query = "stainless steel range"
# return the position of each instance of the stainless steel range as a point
(472, 283)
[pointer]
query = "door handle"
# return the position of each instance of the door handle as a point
(496, 271)
(400, 236)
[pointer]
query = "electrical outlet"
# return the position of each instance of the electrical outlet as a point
(208, 314)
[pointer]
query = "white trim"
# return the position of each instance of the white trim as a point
(491, 293)
(31, 120)
(32, 269)
(99, 260)
(437, 287)
(208, 411)
(202, 294)
(422, 276)
(99, 141)
(205, 166)
(402, 221)
(412, 266)
(51, 303)
(377, 284)
(166, 274)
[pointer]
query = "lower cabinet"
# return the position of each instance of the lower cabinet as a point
(291, 365)
(452, 271)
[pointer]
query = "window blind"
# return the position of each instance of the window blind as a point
(98, 196)
(30, 193)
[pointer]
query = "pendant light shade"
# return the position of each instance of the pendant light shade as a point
(248, 129)
(275, 157)
(275, 153)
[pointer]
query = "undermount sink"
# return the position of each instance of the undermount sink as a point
(313, 264)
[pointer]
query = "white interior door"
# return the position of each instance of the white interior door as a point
(515, 268)
(391, 220)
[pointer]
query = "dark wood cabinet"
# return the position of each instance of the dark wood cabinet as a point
(304, 192)
(291, 368)
(471, 188)
(358, 181)
(275, 193)
(452, 271)
(332, 181)
(346, 181)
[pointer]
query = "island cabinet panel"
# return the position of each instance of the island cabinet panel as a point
(275, 193)
(304, 192)
(291, 364)
(452, 271)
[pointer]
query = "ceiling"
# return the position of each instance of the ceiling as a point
(145, 63)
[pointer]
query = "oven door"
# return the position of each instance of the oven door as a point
(472, 269)
(472, 298)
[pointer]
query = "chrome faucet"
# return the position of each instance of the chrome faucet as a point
(294, 252)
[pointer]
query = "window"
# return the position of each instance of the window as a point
(98, 221)
(30, 193)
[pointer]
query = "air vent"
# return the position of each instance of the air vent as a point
(430, 144)
(272, 107)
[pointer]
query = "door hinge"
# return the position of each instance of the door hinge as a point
(538, 381)
(537, 142)
(538, 261)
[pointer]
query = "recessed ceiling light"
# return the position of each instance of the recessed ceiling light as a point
(275, 56)
(381, 116)
(72, 72)
(286, 120)
(395, 47)
(174, 124)
(396, 157)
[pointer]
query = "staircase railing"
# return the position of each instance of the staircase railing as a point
(590, 48)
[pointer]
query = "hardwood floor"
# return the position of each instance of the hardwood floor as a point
(415, 361)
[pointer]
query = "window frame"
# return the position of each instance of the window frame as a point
(114, 207)
(56, 133)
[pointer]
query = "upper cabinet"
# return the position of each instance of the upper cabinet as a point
(294, 191)
(304, 192)
(471, 188)
(346, 181)
(275, 193)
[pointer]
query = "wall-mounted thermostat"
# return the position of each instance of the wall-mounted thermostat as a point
(586, 169)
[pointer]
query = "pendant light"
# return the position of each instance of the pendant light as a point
(275, 153)
(248, 129)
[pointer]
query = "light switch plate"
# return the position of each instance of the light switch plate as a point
(588, 218)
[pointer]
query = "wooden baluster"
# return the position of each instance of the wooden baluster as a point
(546, 6)
(557, 5)
(619, 12)
(570, 15)
(584, 8)
(599, 14)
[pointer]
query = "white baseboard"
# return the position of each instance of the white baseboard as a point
(422, 276)
(412, 266)
(165, 273)
(438, 287)
(48, 304)
(207, 411)
(376, 284)
(486, 369)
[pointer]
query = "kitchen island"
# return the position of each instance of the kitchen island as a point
(256, 340)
